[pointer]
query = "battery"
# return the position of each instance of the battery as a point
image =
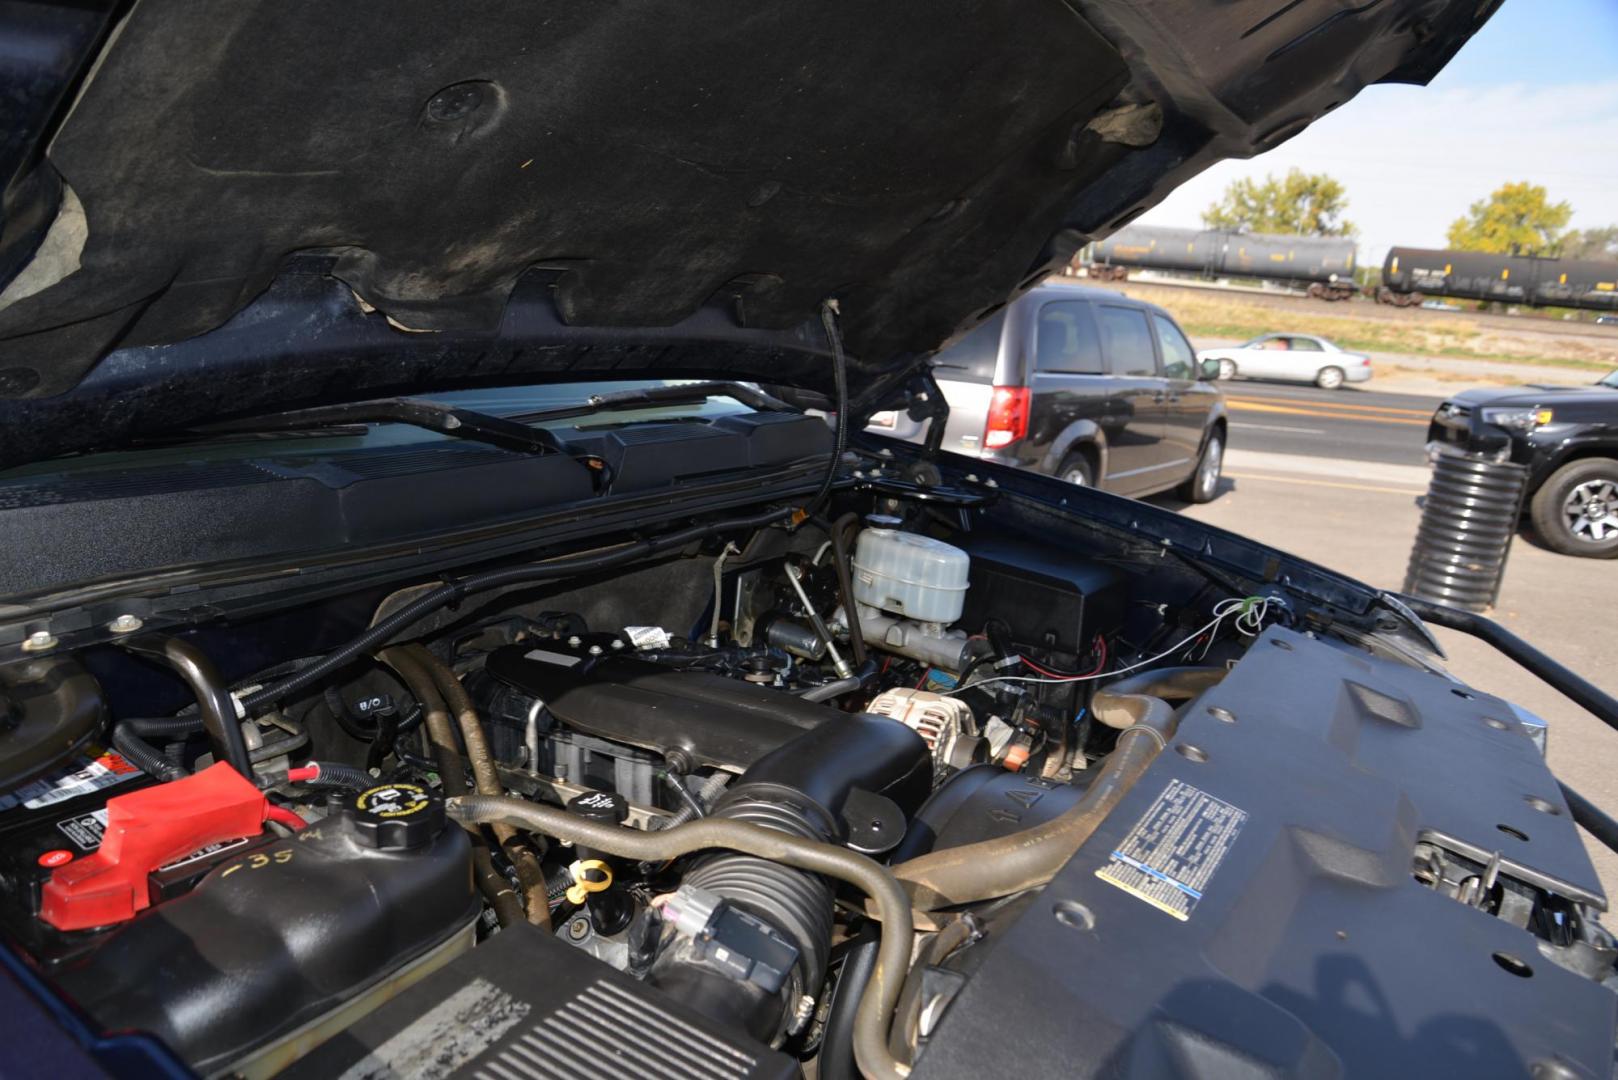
(61, 818)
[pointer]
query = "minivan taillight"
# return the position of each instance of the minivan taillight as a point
(1008, 417)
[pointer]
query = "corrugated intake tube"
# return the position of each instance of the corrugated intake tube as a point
(714, 833)
(1030, 858)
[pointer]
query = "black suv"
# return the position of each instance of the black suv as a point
(1088, 385)
(1568, 438)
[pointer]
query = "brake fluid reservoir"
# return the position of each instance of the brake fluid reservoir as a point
(910, 575)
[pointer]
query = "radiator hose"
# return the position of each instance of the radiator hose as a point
(1024, 860)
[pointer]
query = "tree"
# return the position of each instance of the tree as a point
(1591, 244)
(1517, 219)
(1300, 203)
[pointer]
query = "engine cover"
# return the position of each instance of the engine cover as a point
(1250, 908)
(720, 722)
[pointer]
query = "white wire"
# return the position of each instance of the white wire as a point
(1249, 611)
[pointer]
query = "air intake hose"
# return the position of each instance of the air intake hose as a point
(802, 789)
(1022, 860)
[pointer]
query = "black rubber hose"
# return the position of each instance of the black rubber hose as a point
(144, 756)
(384, 630)
(836, 1061)
(834, 336)
(347, 777)
(845, 585)
(164, 727)
(215, 705)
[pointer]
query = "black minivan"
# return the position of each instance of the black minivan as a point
(1085, 384)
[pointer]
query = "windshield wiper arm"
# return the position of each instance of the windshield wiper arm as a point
(499, 431)
(687, 394)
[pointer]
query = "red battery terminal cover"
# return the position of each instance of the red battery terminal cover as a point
(147, 829)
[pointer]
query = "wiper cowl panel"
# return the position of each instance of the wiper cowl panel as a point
(457, 423)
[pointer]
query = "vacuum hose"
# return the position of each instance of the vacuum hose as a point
(1030, 858)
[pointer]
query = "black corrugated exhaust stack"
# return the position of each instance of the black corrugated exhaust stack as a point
(1467, 523)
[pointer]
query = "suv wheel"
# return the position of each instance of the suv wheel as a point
(1576, 510)
(1227, 369)
(1204, 483)
(1329, 378)
(1076, 469)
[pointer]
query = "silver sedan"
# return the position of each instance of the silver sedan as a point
(1291, 357)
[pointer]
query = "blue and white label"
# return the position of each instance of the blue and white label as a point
(1171, 854)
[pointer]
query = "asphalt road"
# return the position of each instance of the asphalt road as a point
(1347, 424)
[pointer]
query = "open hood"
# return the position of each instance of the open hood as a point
(226, 208)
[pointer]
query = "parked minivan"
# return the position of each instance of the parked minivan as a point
(1085, 384)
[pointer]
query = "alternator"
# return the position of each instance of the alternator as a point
(946, 724)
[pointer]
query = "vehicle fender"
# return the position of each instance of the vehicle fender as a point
(1079, 433)
(1217, 418)
(1546, 460)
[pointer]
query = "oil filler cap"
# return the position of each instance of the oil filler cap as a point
(607, 807)
(397, 817)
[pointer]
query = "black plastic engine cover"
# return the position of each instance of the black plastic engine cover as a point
(720, 722)
(1308, 949)
(274, 937)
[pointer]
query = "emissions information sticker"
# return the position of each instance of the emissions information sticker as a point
(1171, 854)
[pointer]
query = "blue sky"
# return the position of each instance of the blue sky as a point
(1534, 96)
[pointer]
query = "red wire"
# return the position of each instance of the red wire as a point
(282, 816)
(1101, 644)
(302, 773)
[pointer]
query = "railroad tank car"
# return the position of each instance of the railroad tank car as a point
(1411, 274)
(1327, 263)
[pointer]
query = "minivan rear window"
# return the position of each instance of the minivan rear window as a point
(973, 358)
(1067, 341)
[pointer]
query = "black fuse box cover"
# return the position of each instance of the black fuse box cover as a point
(526, 1005)
(1046, 598)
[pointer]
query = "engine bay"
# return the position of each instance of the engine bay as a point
(921, 785)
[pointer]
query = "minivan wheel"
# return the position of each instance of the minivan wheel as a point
(1329, 378)
(1227, 369)
(1204, 483)
(1076, 469)
(1576, 510)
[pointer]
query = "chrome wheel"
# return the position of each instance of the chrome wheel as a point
(1077, 475)
(1590, 510)
(1213, 458)
(1329, 378)
(1227, 369)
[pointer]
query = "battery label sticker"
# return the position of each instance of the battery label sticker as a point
(203, 852)
(1171, 854)
(83, 776)
(86, 830)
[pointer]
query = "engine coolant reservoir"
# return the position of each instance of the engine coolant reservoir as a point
(910, 575)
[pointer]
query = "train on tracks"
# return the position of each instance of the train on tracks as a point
(1411, 274)
(1324, 266)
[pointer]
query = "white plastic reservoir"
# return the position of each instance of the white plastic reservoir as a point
(910, 575)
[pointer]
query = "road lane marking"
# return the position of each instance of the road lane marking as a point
(1328, 467)
(1243, 405)
(1425, 414)
(1280, 427)
(1323, 483)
